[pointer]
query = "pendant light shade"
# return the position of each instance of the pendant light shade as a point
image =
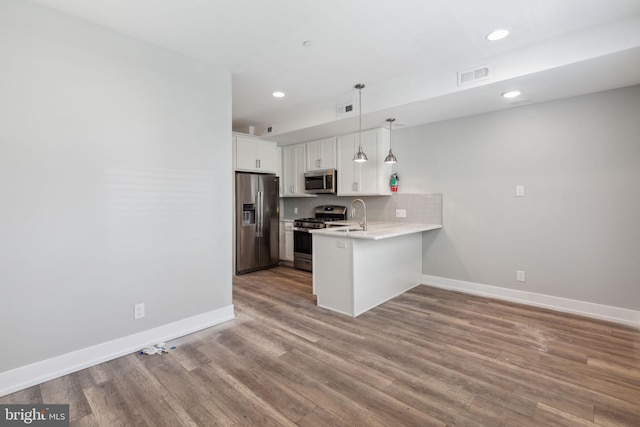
(360, 156)
(390, 157)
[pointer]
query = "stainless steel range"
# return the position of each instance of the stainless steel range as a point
(302, 242)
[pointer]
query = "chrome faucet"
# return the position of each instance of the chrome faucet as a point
(364, 213)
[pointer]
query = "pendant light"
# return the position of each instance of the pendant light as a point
(360, 156)
(390, 157)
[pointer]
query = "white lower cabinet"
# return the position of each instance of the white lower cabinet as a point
(353, 275)
(368, 178)
(286, 240)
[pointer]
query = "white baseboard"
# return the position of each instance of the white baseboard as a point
(45, 370)
(599, 311)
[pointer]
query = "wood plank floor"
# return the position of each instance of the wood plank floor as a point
(427, 358)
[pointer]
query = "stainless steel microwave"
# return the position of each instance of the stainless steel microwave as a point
(321, 182)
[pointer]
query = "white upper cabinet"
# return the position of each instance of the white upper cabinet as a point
(293, 169)
(321, 154)
(255, 155)
(279, 169)
(368, 178)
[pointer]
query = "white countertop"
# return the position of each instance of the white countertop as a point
(375, 230)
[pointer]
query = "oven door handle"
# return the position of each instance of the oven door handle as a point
(304, 230)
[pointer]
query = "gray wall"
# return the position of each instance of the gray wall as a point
(576, 232)
(115, 185)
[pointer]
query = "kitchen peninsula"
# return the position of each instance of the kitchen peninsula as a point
(356, 270)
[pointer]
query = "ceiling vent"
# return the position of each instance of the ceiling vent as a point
(473, 76)
(346, 109)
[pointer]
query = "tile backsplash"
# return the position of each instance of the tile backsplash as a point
(421, 208)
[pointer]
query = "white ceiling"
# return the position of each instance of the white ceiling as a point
(406, 52)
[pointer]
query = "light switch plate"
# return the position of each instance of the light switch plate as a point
(519, 190)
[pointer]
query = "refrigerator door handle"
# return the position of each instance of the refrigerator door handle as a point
(261, 213)
(257, 203)
(260, 218)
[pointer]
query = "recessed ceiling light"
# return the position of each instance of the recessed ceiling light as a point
(497, 34)
(278, 94)
(511, 94)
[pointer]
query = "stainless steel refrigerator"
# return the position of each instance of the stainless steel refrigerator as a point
(257, 222)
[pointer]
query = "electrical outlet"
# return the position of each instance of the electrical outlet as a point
(520, 276)
(138, 311)
(401, 213)
(295, 210)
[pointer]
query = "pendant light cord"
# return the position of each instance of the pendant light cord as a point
(360, 157)
(360, 118)
(391, 158)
